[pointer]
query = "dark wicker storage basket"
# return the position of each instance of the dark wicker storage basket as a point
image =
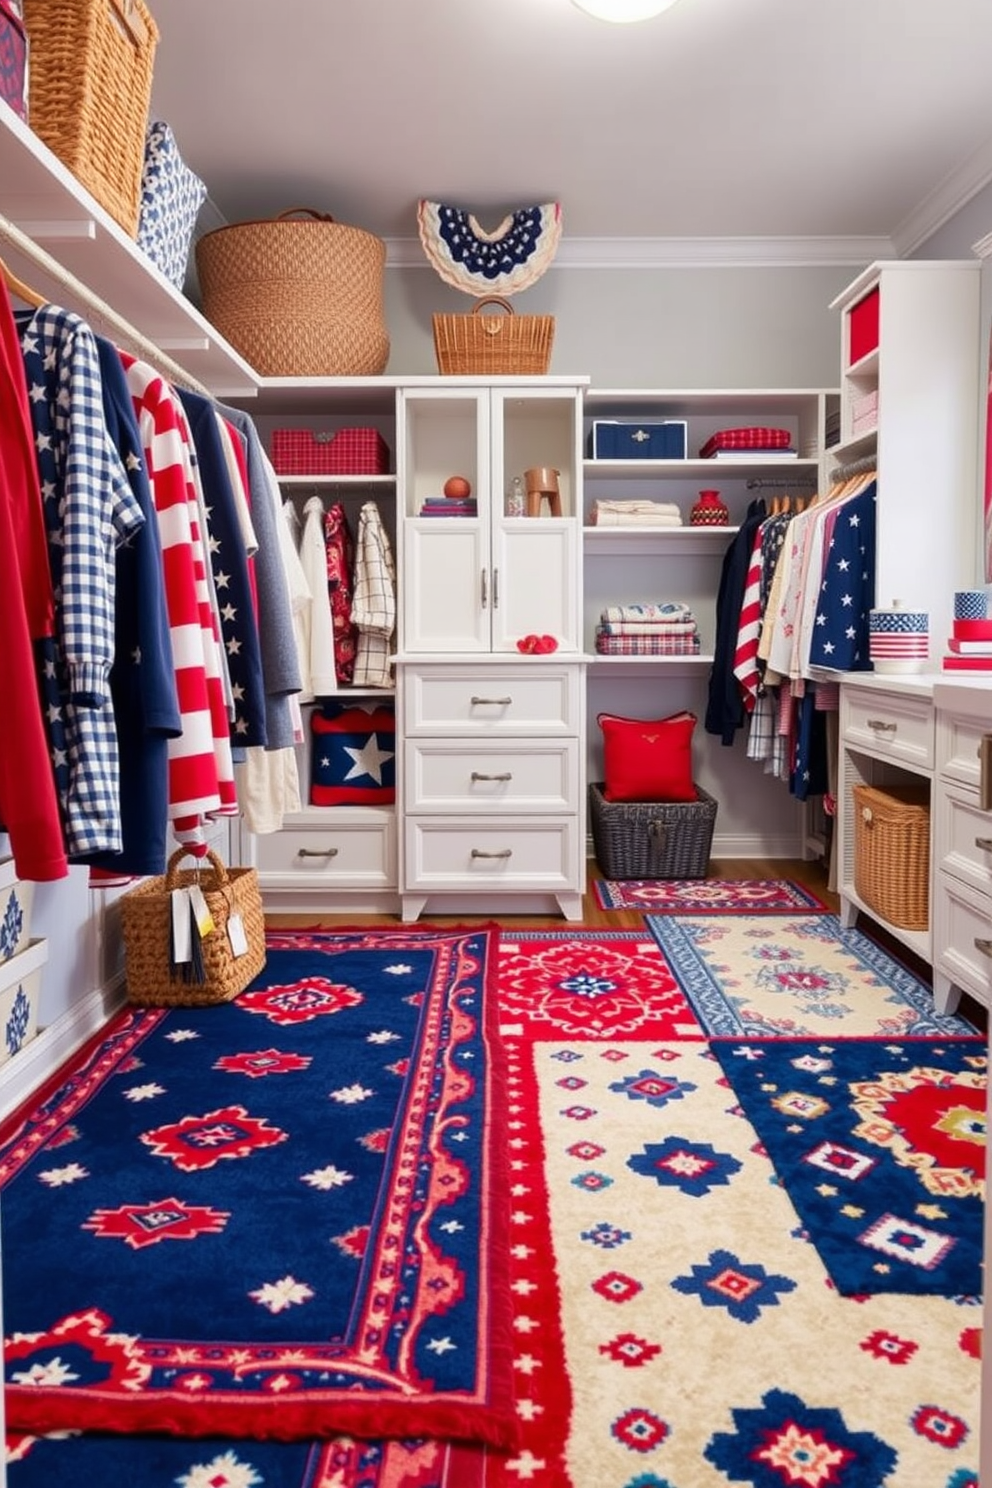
(652, 839)
(892, 852)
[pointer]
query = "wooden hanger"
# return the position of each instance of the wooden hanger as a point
(21, 290)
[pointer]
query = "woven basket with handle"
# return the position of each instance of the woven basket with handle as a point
(297, 296)
(892, 852)
(89, 87)
(146, 914)
(493, 345)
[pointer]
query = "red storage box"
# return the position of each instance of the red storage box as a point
(862, 327)
(346, 452)
(13, 59)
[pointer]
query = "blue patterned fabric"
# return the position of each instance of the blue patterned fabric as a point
(171, 197)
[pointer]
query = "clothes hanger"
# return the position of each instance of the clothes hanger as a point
(21, 290)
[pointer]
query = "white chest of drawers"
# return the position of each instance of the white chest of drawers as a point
(962, 864)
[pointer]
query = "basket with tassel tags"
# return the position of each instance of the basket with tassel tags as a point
(226, 951)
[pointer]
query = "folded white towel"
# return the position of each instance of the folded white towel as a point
(662, 612)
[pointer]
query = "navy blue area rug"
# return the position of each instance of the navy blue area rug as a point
(881, 1149)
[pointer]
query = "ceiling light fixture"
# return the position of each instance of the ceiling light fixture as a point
(622, 11)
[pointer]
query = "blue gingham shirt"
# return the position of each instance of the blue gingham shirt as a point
(89, 508)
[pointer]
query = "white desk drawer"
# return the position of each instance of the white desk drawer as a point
(509, 776)
(961, 739)
(964, 838)
(492, 701)
(447, 856)
(964, 935)
(347, 853)
(891, 727)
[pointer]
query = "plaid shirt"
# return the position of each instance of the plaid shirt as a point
(373, 608)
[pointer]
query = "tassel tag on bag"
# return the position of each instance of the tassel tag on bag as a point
(236, 935)
(180, 939)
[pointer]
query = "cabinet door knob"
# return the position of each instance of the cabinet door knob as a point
(984, 844)
(985, 946)
(315, 852)
(481, 702)
(504, 852)
(881, 726)
(478, 775)
(495, 588)
(484, 588)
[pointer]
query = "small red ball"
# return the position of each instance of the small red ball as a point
(457, 488)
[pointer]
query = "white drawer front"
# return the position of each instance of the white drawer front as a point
(340, 855)
(963, 936)
(492, 700)
(964, 838)
(511, 776)
(961, 739)
(447, 856)
(900, 728)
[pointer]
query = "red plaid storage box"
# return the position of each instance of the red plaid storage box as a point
(340, 452)
(13, 59)
(754, 437)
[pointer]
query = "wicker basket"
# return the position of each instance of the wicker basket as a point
(892, 853)
(297, 297)
(652, 839)
(493, 345)
(89, 87)
(146, 914)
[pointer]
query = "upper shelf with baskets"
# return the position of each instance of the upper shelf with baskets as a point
(44, 203)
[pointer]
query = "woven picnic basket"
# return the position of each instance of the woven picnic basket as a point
(297, 296)
(146, 914)
(89, 89)
(892, 852)
(493, 345)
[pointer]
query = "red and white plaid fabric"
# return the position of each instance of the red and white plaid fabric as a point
(752, 438)
(647, 645)
(346, 452)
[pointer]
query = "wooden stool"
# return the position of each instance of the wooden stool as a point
(542, 484)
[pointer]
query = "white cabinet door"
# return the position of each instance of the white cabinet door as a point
(447, 585)
(536, 581)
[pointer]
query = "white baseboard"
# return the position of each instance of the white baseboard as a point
(33, 1064)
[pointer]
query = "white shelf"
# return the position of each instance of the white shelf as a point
(719, 402)
(854, 449)
(43, 199)
(618, 542)
(308, 482)
(752, 467)
(605, 664)
(867, 366)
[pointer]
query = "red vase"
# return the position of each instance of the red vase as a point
(709, 511)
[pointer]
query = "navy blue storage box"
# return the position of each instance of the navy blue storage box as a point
(638, 439)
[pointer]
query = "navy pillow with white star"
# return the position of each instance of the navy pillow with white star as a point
(353, 753)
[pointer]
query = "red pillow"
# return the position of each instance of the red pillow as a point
(648, 759)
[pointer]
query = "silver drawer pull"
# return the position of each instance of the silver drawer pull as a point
(985, 946)
(984, 843)
(478, 775)
(314, 852)
(505, 852)
(478, 702)
(880, 726)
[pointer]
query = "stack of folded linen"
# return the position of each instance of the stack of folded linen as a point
(635, 514)
(667, 629)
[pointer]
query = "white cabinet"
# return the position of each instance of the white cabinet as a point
(480, 582)
(910, 397)
(962, 882)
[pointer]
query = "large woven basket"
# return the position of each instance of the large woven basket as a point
(892, 852)
(146, 914)
(652, 839)
(493, 345)
(297, 297)
(89, 87)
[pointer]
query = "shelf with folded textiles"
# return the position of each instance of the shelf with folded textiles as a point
(627, 539)
(729, 468)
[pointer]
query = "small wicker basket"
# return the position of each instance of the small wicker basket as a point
(89, 88)
(493, 345)
(892, 852)
(652, 839)
(146, 916)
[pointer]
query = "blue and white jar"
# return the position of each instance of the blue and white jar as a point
(899, 640)
(970, 604)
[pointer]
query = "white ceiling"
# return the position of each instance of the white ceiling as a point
(744, 119)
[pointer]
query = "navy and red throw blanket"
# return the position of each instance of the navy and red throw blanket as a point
(284, 1217)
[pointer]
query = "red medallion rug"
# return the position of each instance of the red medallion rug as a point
(705, 895)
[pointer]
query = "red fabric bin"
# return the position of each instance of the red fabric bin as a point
(346, 452)
(863, 327)
(359, 452)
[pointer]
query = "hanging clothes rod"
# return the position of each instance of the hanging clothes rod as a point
(99, 314)
(808, 481)
(855, 467)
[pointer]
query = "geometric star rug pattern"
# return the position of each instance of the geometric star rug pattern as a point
(881, 1149)
(282, 1216)
(706, 895)
(794, 977)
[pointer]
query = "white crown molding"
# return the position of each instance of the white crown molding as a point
(953, 193)
(685, 253)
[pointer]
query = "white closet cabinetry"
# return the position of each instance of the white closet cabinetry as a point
(962, 838)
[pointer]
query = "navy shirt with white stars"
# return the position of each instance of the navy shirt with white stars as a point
(847, 589)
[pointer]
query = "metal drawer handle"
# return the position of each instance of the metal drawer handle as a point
(985, 843)
(506, 852)
(985, 946)
(478, 702)
(478, 775)
(314, 852)
(880, 726)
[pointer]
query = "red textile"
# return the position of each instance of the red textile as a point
(751, 438)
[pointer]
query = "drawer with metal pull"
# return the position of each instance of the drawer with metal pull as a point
(443, 855)
(889, 726)
(510, 776)
(346, 852)
(466, 701)
(963, 838)
(964, 932)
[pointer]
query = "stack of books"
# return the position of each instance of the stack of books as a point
(969, 646)
(446, 506)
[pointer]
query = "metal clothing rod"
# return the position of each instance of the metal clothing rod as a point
(785, 485)
(98, 313)
(856, 467)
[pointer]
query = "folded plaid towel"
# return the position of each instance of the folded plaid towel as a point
(647, 645)
(753, 437)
